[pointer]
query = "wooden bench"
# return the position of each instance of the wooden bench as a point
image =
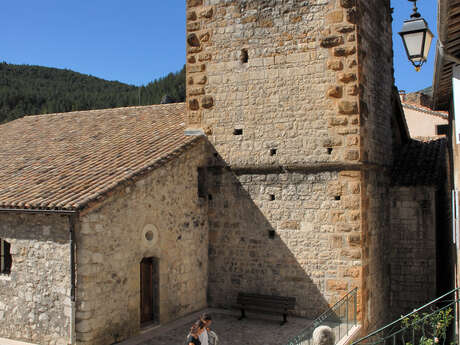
(270, 304)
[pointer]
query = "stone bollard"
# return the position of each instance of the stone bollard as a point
(323, 335)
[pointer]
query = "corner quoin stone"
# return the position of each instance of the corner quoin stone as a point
(348, 107)
(347, 3)
(344, 51)
(331, 41)
(191, 16)
(195, 26)
(196, 91)
(335, 65)
(335, 92)
(207, 102)
(193, 40)
(193, 104)
(347, 77)
(207, 13)
(194, 3)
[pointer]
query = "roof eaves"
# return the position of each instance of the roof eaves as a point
(99, 197)
(440, 114)
(96, 199)
(443, 67)
(398, 112)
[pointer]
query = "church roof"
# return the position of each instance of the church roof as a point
(64, 161)
(420, 163)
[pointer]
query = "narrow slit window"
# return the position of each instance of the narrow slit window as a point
(244, 56)
(329, 150)
(5, 257)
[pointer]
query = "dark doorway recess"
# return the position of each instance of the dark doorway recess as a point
(149, 291)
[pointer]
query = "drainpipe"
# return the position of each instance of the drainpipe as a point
(72, 278)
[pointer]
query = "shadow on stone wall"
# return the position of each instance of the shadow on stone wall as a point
(35, 227)
(248, 254)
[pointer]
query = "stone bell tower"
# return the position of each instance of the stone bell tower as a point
(295, 97)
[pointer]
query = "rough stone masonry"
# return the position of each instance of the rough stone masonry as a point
(294, 96)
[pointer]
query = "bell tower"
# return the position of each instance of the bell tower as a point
(295, 96)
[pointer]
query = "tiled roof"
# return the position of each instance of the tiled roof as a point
(426, 110)
(63, 161)
(420, 163)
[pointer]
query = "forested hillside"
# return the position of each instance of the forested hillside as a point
(26, 90)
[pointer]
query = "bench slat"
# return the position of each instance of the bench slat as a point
(265, 300)
(267, 303)
(264, 296)
(275, 302)
(266, 309)
(274, 305)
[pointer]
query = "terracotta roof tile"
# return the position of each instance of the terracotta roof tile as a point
(63, 161)
(420, 163)
(426, 110)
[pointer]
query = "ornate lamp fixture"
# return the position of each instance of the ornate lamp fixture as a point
(417, 38)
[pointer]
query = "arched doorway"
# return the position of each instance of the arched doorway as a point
(149, 281)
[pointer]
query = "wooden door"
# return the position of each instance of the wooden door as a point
(149, 290)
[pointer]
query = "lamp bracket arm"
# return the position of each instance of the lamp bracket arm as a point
(445, 54)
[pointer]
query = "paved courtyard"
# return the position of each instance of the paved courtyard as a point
(256, 329)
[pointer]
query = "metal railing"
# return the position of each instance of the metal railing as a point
(427, 325)
(341, 317)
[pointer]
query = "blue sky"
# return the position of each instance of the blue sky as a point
(139, 40)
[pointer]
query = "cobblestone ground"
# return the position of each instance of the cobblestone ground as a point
(256, 329)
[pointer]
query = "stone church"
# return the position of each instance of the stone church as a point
(288, 171)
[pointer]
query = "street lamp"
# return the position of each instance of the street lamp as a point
(417, 38)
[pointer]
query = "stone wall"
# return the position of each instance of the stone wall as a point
(284, 233)
(375, 231)
(113, 239)
(274, 82)
(35, 296)
(375, 79)
(412, 272)
(306, 85)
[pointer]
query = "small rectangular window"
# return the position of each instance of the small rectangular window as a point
(244, 56)
(5, 257)
(442, 129)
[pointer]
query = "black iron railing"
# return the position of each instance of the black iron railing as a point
(341, 317)
(427, 325)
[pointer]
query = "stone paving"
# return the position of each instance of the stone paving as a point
(256, 329)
